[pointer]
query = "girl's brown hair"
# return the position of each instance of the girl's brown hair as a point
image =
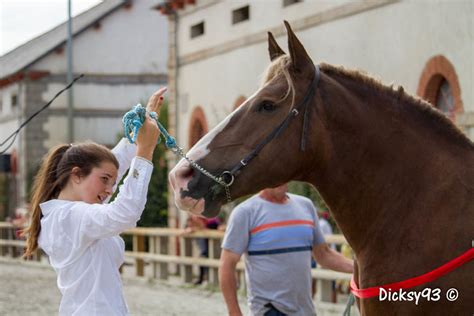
(53, 176)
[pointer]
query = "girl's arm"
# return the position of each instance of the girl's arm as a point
(96, 221)
(104, 220)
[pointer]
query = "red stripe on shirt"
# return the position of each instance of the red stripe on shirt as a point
(281, 224)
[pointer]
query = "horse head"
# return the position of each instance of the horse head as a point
(265, 136)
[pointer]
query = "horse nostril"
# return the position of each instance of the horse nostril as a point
(185, 173)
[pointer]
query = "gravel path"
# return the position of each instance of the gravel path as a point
(29, 290)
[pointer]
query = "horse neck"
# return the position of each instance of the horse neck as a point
(378, 170)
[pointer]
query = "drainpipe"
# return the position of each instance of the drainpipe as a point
(177, 215)
(70, 108)
(176, 65)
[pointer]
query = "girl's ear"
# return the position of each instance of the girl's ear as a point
(76, 175)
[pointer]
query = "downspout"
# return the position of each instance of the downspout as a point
(20, 178)
(177, 217)
(176, 65)
(70, 108)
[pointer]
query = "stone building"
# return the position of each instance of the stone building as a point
(120, 47)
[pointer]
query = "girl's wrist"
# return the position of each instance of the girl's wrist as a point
(145, 152)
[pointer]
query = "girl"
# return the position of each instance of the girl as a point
(77, 231)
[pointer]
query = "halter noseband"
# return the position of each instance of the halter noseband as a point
(227, 177)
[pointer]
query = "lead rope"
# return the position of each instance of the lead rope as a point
(133, 120)
(350, 302)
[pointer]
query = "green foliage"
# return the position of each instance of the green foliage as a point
(306, 189)
(156, 208)
(310, 192)
(4, 195)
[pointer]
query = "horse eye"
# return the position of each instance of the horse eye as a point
(267, 106)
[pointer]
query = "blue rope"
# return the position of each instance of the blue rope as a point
(133, 120)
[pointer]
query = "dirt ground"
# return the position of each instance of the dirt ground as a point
(27, 290)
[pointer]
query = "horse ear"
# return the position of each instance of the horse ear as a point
(299, 57)
(273, 49)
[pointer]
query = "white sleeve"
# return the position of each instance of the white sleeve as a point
(124, 152)
(96, 221)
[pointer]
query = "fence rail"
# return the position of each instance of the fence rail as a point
(150, 256)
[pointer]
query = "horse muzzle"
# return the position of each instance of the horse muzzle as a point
(194, 192)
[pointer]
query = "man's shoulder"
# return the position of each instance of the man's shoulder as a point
(249, 203)
(300, 198)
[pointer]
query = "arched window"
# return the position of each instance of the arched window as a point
(197, 127)
(439, 85)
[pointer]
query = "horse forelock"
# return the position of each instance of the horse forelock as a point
(277, 68)
(409, 102)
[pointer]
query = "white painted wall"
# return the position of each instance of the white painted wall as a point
(394, 42)
(218, 19)
(6, 129)
(92, 97)
(85, 129)
(129, 41)
(6, 94)
(10, 118)
(102, 97)
(217, 82)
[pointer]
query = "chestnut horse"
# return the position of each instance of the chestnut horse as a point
(397, 175)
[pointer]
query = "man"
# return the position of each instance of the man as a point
(278, 232)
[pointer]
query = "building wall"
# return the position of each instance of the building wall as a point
(10, 116)
(10, 120)
(124, 59)
(391, 41)
(219, 29)
(129, 41)
(98, 110)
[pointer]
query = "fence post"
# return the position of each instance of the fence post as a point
(186, 251)
(214, 253)
(2, 236)
(11, 236)
(324, 290)
(159, 245)
(139, 246)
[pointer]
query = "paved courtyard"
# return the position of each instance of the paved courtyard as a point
(27, 290)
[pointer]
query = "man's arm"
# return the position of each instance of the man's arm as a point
(329, 258)
(228, 263)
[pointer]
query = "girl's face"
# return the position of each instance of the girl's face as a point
(97, 186)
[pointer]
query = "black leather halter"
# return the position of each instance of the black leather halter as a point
(228, 176)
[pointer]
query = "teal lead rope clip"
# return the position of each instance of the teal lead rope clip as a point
(133, 120)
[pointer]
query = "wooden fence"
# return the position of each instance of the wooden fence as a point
(150, 257)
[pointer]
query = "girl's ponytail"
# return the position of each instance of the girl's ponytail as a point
(46, 186)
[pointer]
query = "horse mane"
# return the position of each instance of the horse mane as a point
(411, 104)
(414, 105)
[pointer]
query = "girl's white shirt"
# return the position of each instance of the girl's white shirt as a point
(83, 243)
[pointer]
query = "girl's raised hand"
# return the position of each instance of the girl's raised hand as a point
(148, 134)
(156, 101)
